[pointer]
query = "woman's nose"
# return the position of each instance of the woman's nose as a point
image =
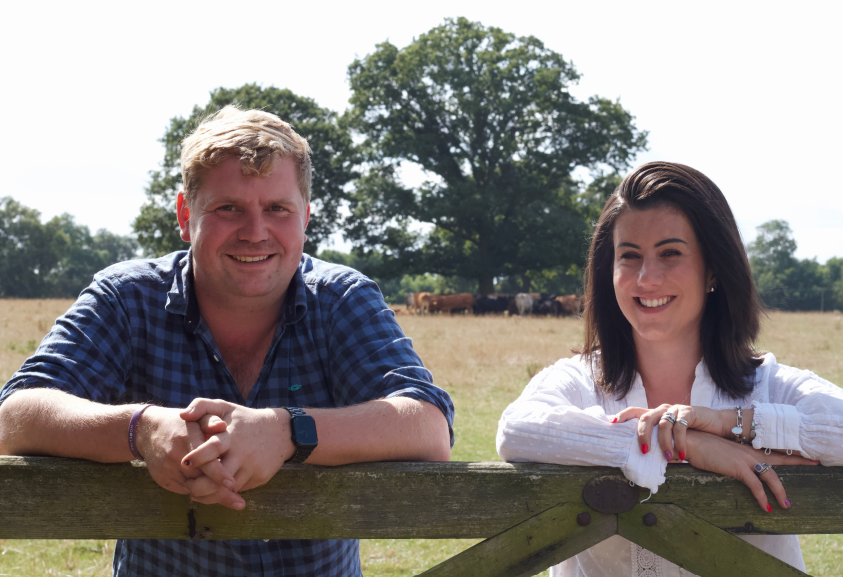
(650, 273)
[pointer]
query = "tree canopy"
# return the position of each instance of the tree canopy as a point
(787, 283)
(334, 158)
(490, 118)
(54, 259)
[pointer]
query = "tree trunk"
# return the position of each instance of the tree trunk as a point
(525, 283)
(487, 284)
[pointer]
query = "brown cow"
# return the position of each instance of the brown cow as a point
(419, 298)
(570, 305)
(448, 303)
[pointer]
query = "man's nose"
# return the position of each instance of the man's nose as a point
(253, 227)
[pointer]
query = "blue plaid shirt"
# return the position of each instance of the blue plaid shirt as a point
(135, 336)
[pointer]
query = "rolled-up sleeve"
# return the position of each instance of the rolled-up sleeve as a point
(371, 358)
(804, 414)
(86, 353)
(556, 420)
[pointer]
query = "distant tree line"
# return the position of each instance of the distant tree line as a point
(57, 258)
(787, 283)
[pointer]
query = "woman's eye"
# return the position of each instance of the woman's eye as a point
(671, 252)
(628, 255)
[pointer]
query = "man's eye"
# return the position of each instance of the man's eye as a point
(277, 208)
(226, 208)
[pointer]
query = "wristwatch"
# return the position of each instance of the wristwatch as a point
(303, 429)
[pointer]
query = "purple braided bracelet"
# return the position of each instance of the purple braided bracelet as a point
(133, 425)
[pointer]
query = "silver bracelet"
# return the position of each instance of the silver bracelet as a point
(738, 429)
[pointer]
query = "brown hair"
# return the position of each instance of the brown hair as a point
(731, 318)
(256, 137)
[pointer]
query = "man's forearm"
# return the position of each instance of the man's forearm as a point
(51, 422)
(395, 429)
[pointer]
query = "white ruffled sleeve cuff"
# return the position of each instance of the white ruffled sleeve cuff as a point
(777, 427)
(646, 470)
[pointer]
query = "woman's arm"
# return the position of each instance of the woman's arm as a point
(558, 419)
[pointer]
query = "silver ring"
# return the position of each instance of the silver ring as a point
(681, 422)
(760, 468)
(668, 417)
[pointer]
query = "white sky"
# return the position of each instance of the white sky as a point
(749, 93)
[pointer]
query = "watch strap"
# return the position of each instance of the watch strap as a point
(302, 453)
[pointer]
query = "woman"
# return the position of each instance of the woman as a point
(671, 315)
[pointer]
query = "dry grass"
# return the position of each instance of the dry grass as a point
(484, 363)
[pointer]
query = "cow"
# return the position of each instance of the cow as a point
(547, 306)
(448, 303)
(524, 304)
(410, 301)
(494, 303)
(419, 302)
(570, 305)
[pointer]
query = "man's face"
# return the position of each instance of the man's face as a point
(247, 232)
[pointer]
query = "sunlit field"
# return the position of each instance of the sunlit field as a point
(484, 362)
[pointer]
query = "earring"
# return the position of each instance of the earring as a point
(712, 290)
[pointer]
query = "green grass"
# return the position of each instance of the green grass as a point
(484, 363)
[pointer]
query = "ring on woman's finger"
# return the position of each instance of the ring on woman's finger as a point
(761, 468)
(681, 422)
(668, 417)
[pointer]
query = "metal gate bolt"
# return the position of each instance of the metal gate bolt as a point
(584, 519)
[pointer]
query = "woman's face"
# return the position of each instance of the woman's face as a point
(660, 278)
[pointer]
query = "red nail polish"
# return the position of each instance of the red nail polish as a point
(615, 420)
(769, 508)
(681, 455)
(644, 448)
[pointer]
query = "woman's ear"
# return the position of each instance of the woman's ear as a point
(711, 285)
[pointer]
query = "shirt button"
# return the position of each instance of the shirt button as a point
(216, 359)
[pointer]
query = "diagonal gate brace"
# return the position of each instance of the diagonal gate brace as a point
(533, 545)
(696, 545)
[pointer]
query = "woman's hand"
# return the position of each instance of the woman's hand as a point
(672, 436)
(713, 453)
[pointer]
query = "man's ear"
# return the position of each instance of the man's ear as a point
(183, 215)
(307, 216)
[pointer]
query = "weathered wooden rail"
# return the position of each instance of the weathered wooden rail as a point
(531, 515)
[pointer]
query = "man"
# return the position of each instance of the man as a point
(241, 329)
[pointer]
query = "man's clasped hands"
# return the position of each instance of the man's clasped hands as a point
(214, 449)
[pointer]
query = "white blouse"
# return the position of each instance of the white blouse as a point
(561, 417)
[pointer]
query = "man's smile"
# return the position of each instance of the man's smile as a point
(258, 258)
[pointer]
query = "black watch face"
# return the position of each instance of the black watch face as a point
(304, 431)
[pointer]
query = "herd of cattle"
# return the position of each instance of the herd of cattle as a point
(518, 304)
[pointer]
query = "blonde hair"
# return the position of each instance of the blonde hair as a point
(256, 137)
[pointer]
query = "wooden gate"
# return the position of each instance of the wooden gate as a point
(531, 515)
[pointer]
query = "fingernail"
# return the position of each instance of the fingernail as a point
(228, 483)
(668, 456)
(769, 508)
(239, 505)
(817, 461)
(644, 448)
(615, 420)
(186, 463)
(682, 455)
(787, 502)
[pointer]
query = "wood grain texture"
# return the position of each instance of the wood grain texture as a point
(532, 546)
(44, 497)
(697, 545)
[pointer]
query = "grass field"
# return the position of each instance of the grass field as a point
(484, 363)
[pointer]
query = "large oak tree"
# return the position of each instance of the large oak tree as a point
(490, 118)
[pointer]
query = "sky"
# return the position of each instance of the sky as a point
(748, 93)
